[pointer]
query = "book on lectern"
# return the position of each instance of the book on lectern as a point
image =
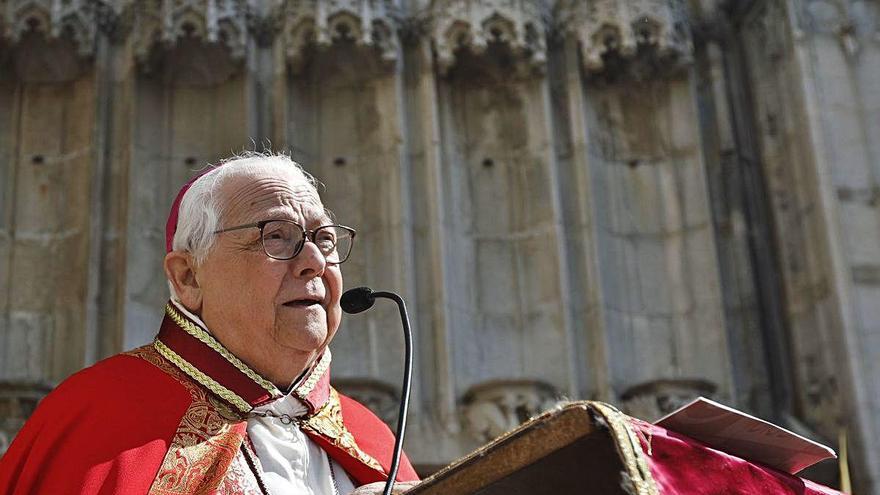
(726, 429)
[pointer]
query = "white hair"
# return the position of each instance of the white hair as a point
(200, 208)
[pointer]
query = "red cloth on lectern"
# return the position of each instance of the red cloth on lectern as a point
(138, 423)
(681, 465)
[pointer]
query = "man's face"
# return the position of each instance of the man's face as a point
(275, 315)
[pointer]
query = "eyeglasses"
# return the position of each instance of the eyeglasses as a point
(284, 239)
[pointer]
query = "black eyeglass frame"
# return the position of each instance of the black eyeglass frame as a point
(308, 235)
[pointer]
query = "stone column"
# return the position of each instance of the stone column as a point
(438, 424)
(115, 66)
(747, 261)
(580, 262)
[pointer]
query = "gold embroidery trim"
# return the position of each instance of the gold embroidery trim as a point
(202, 455)
(629, 448)
(327, 422)
(201, 378)
(207, 339)
(306, 388)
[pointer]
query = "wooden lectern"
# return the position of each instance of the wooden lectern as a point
(584, 444)
(592, 448)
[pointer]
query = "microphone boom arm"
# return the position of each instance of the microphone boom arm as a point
(405, 390)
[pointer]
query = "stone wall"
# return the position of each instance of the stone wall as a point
(632, 201)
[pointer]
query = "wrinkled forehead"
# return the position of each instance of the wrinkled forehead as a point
(268, 192)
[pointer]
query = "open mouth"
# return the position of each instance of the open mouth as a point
(302, 303)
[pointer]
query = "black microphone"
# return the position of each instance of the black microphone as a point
(357, 300)
(361, 299)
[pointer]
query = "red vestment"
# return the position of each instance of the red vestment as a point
(657, 461)
(681, 465)
(171, 418)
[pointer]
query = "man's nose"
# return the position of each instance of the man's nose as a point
(310, 262)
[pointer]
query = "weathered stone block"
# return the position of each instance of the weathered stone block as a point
(860, 226)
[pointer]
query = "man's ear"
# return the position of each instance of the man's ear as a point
(180, 269)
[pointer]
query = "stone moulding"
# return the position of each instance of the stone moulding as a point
(75, 19)
(626, 28)
(150, 22)
(165, 22)
(372, 23)
(472, 24)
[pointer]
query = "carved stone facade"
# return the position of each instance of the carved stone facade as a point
(492, 409)
(654, 399)
(631, 201)
(167, 22)
(73, 19)
(608, 28)
(473, 24)
(372, 23)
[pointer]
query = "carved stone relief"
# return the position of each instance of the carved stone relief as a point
(154, 21)
(627, 29)
(115, 18)
(654, 399)
(166, 22)
(473, 24)
(74, 19)
(603, 26)
(223, 22)
(370, 23)
(492, 409)
(379, 397)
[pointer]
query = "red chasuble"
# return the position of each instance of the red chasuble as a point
(171, 418)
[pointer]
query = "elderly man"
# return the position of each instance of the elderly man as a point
(233, 396)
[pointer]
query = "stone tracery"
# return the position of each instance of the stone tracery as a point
(371, 23)
(53, 18)
(521, 25)
(212, 21)
(602, 27)
(606, 27)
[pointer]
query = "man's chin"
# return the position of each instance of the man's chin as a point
(305, 339)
